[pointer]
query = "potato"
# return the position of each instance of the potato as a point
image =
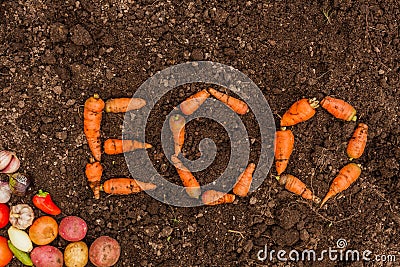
(72, 228)
(44, 256)
(104, 252)
(43, 230)
(76, 254)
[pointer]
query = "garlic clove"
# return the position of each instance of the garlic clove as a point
(5, 192)
(5, 158)
(13, 166)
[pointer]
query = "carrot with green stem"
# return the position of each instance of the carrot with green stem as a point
(93, 172)
(284, 143)
(237, 105)
(357, 143)
(192, 103)
(125, 186)
(243, 183)
(339, 108)
(190, 183)
(118, 146)
(296, 186)
(92, 114)
(177, 126)
(124, 104)
(347, 175)
(300, 111)
(213, 197)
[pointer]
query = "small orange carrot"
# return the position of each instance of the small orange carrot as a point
(339, 108)
(177, 126)
(243, 183)
(190, 183)
(92, 113)
(192, 103)
(296, 186)
(347, 175)
(118, 146)
(125, 186)
(284, 143)
(124, 104)
(212, 197)
(357, 143)
(300, 111)
(237, 105)
(93, 172)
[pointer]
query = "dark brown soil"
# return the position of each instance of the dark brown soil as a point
(55, 54)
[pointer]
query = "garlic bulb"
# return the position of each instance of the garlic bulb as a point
(21, 216)
(9, 163)
(5, 192)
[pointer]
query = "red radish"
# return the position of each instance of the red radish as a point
(72, 228)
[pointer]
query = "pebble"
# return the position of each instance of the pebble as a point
(166, 231)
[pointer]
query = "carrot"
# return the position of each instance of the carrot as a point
(284, 143)
(124, 104)
(177, 126)
(118, 146)
(243, 183)
(356, 145)
(347, 175)
(92, 114)
(295, 185)
(239, 106)
(212, 197)
(93, 172)
(339, 108)
(190, 183)
(300, 111)
(192, 103)
(125, 186)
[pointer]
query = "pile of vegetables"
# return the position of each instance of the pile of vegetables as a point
(29, 238)
(33, 247)
(301, 111)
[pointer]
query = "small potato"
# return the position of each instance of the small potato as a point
(104, 251)
(76, 254)
(45, 256)
(72, 228)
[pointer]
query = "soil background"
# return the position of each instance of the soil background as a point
(55, 54)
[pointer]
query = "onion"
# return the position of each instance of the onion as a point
(9, 163)
(5, 192)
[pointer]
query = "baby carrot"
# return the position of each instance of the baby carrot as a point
(347, 175)
(124, 104)
(296, 186)
(92, 113)
(237, 105)
(339, 108)
(300, 111)
(118, 146)
(177, 126)
(243, 183)
(212, 197)
(190, 183)
(93, 172)
(191, 104)
(284, 143)
(356, 145)
(125, 186)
